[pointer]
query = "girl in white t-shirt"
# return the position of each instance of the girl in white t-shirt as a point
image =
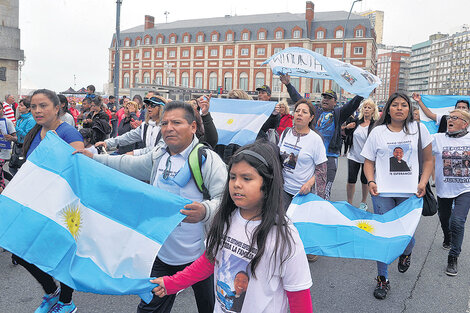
(392, 169)
(253, 250)
(452, 151)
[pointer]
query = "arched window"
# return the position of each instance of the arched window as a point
(185, 79)
(228, 81)
(158, 78)
(137, 42)
(198, 80)
(213, 81)
(243, 82)
(146, 78)
(172, 79)
(125, 80)
(136, 79)
(339, 33)
(320, 34)
(259, 79)
(147, 40)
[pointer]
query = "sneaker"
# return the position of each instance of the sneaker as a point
(451, 269)
(61, 307)
(446, 245)
(404, 263)
(363, 206)
(312, 258)
(383, 287)
(48, 301)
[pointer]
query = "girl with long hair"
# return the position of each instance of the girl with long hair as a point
(392, 169)
(255, 253)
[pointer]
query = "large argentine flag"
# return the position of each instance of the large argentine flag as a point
(239, 121)
(439, 105)
(338, 229)
(87, 225)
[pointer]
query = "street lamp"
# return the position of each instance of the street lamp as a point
(116, 52)
(344, 35)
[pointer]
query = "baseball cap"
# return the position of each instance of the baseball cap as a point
(330, 93)
(264, 88)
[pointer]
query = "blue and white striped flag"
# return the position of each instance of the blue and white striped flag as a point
(239, 121)
(87, 225)
(441, 105)
(338, 229)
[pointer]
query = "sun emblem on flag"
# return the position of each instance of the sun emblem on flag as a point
(365, 225)
(230, 121)
(73, 219)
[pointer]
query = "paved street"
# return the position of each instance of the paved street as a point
(339, 285)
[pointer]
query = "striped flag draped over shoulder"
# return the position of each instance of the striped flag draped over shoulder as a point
(87, 225)
(338, 229)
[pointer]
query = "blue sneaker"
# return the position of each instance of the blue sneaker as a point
(61, 307)
(48, 301)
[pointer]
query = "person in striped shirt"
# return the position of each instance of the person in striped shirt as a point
(8, 108)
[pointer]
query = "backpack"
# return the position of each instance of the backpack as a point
(196, 158)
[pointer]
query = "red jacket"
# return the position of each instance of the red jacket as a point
(286, 121)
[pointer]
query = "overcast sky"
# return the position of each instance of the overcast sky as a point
(63, 38)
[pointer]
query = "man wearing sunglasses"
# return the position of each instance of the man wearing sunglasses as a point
(328, 120)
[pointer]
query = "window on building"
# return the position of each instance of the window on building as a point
(186, 39)
(198, 80)
(259, 80)
(229, 37)
(159, 54)
(147, 40)
(279, 34)
(200, 38)
(126, 56)
(276, 50)
(320, 51)
(244, 51)
(136, 79)
(146, 78)
(261, 51)
(185, 53)
(296, 34)
(215, 37)
(172, 79)
(320, 34)
(214, 52)
(335, 87)
(125, 80)
(228, 52)
(137, 55)
(137, 42)
(127, 43)
(317, 85)
(147, 54)
(185, 79)
(158, 78)
(160, 40)
(358, 50)
(243, 83)
(199, 52)
(244, 36)
(212, 81)
(339, 33)
(172, 39)
(359, 32)
(338, 51)
(261, 35)
(228, 81)
(172, 53)
(295, 81)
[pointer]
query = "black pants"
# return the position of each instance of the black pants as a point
(46, 280)
(203, 291)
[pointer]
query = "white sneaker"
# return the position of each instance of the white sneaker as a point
(363, 206)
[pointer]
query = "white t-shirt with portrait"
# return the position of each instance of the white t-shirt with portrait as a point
(238, 291)
(452, 165)
(396, 158)
(6, 127)
(359, 139)
(300, 154)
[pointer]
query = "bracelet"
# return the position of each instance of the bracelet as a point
(371, 181)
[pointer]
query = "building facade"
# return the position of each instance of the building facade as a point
(228, 51)
(10, 52)
(419, 67)
(377, 21)
(460, 71)
(393, 68)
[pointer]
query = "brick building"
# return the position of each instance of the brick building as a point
(393, 68)
(228, 51)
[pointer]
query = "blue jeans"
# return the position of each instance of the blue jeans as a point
(381, 206)
(453, 220)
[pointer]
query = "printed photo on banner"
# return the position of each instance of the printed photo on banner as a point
(400, 157)
(456, 162)
(289, 155)
(4, 144)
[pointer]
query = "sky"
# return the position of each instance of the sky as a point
(63, 39)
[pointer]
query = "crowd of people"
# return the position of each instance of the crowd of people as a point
(246, 190)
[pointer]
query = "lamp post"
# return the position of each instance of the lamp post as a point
(116, 53)
(344, 35)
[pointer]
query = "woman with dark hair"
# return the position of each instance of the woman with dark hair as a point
(45, 107)
(394, 142)
(65, 115)
(98, 120)
(142, 112)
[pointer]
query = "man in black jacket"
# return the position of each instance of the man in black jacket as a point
(328, 120)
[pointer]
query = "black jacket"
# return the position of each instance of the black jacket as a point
(99, 125)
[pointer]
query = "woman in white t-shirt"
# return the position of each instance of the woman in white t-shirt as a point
(368, 114)
(392, 169)
(303, 154)
(452, 152)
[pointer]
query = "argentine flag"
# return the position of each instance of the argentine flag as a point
(87, 225)
(338, 229)
(239, 121)
(439, 105)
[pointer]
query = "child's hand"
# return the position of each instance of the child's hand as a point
(160, 290)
